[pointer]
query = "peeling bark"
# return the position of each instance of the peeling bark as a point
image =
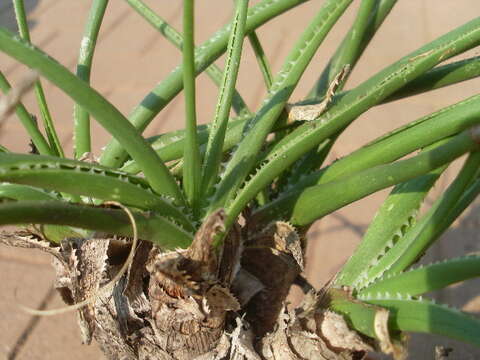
(201, 302)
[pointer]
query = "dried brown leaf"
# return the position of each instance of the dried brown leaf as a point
(311, 112)
(383, 335)
(336, 331)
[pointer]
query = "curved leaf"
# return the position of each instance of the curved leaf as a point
(50, 130)
(400, 142)
(191, 154)
(439, 77)
(23, 192)
(86, 179)
(317, 201)
(218, 128)
(114, 155)
(176, 39)
(81, 117)
(396, 215)
(151, 227)
(428, 317)
(352, 104)
(256, 131)
(28, 122)
(105, 113)
(427, 278)
(360, 315)
(429, 227)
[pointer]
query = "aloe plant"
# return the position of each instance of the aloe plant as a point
(222, 209)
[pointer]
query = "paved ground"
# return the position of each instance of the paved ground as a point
(132, 58)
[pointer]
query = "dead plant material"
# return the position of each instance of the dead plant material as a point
(306, 112)
(210, 301)
(90, 266)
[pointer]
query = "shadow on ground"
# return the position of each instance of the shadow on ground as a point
(7, 14)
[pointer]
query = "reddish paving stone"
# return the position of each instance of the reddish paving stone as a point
(27, 278)
(22, 276)
(56, 336)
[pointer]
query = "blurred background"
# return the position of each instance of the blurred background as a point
(132, 58)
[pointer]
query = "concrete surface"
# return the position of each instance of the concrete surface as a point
(131, 59)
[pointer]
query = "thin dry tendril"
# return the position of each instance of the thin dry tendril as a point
(108, 287)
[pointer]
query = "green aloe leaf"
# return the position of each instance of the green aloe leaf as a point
(439, 77)
(413, 315)
(105, 113)
(24, 192)
(350, 49)
(256, 131)
(317, 201)
(427, 278)
(436, 78)
(28, 122)
(396, 215)
(218, 129)
(81, 117)
(80, 178)
(172, 35)
(191, 154)
(359, 315)
(420, 236)
(351, 105)
(370, 17)
(50, 130)
(151, 227)
(114, 155)
(262, 60)
(400, 142)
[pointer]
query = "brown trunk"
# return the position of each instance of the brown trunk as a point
(199, 303)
